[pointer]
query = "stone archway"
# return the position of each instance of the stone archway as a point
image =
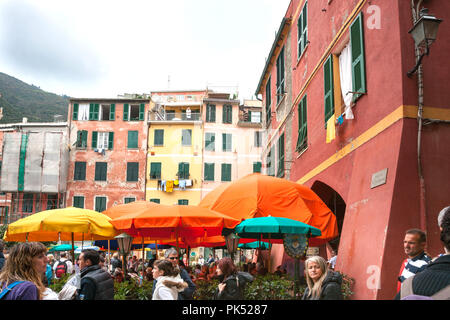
(337, 205)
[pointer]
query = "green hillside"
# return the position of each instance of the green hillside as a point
(19, 100)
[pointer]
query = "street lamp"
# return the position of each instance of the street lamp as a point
(424, 34)
(124, 241)
(232, 241)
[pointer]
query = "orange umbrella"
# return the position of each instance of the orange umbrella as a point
(176, 221)
(258, 195)
(214, 241)
(134, 208)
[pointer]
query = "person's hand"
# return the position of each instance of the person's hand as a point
(222, 286)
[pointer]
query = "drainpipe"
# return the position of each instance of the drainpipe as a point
(422, 200)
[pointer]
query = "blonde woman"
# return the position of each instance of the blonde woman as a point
(323, 284)
(25, 267)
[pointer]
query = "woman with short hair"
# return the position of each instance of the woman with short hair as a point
(168, 281)
(23, 271)
(322, 283)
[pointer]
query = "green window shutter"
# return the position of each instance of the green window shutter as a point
(84, 135)
(256, 167)
(226, 142)
(111, 140)
(141, 111)
(280, 171)
(96, 111)
(132, 171)
(128, 200)
(186, 137)
(227, 114)
(183, 170)
(210, 139)
(125, 111)
(272, 161)
(78, 202)
(158, 139)
(155, 170)
(91, 111)
(132, 139)
(328, 86)
(100, 204)
(226, 172)
(112, 112)
(268, 101)
(155, 200)
(94, 139)
(183, 202)
(75, 112)
(280, 75)
(101, 169)
(209, 171)
(302, 27)
(302, 139)
(79, 171)
(211, 113)
(358, 62)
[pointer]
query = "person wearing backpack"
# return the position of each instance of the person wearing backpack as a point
(62, 266)
(434, 281)
(232, 283)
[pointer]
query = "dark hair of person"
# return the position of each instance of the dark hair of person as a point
(445, 233)
(92, 255)
(422, 235)
(227, 267)
(167, 267)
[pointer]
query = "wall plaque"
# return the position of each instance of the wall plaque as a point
(379, 178)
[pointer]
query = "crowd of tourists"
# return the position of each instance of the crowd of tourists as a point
(27, 271)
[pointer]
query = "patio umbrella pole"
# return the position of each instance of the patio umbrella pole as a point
(270, 253)
(143, 257)
(73, 249)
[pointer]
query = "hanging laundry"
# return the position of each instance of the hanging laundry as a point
(169, 185)
(183, 184)
(175, 182)
(163, 185)
(340, 120)
(331, 129)
(188, 183)
(159, 185)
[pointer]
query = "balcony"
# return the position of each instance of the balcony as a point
(173, 116)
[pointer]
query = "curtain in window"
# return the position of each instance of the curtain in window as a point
(83, 112)
(345, 67)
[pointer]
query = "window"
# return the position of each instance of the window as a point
(78, 202)
(133, 112)
(226, 172)
(102, 140)
(270, 162)
(132, 140)
(80, 112)
(258, 139)
(27, 202)
(328, 88)
(255, 117)
(155, 170)
(128, 200)
(186, 137)
(81, 139)
(226, 141)
(100, 171)
(210, 113)
(302, 31)
(227, 114)
(183, 170)
(302, 139)
(210, 139)
(280, 75)
(80, 171)
(93, 111)
(280, 166)
(100, 204)
(268, 102)
(209, 171)
(52, 201)
(155, 200)
(132, 171)
(183, 202)
(159, 137)
(358, 62)
(257, 167)
(107, 112)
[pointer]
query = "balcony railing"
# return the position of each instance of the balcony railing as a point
(154, 116)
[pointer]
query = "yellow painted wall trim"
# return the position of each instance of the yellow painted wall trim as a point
(401, 112)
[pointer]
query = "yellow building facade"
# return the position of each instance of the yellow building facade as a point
(174, 158)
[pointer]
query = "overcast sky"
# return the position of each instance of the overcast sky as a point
(97, 48)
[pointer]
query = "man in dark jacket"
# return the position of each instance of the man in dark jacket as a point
(96, 283)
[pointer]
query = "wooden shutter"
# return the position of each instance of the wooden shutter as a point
(186, 137)
(78, 202)
(268, 101)
(358, 62)
(158, 139)
(132, 139)
(91, 111)
(226, 172)
(111, 140)
(94, 139)
(112, 112)
(280, 171)
(256, 167)
(96, 111)
(210, 141)
(155, 170)
(209, 171)
(328, 88)
(125, 111)
(75, 112)
(302, 139)
(100, 171)
(302, 27)
(141, 111)
(155, 200)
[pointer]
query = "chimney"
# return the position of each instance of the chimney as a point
(24, 120)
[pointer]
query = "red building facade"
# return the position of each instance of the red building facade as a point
(367, 169)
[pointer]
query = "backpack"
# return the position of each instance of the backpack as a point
(61, 269)
(407, 293)
(8, 289)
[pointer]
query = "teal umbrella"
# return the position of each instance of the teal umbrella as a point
(254, 245)
(273, 228)
(62, 247)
